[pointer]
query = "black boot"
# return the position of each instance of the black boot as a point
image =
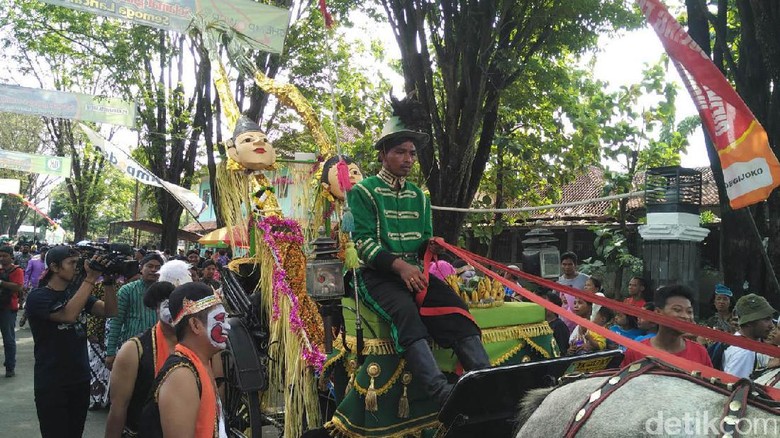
(423, 366)
(471, 353)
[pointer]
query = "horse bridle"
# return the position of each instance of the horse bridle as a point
(739, 394)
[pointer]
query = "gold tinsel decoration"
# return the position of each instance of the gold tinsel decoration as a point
(289, 95)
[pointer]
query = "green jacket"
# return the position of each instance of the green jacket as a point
(389, 222)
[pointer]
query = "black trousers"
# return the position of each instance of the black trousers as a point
(62, 411)
(389, 296)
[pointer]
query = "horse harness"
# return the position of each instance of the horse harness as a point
(739, 393)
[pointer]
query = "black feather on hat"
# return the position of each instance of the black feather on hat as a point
(409, 120)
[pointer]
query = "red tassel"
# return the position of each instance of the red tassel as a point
(342, 169)
(326, 14)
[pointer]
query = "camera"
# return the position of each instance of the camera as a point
(118, 256)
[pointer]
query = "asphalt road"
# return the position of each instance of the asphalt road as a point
(17, 400)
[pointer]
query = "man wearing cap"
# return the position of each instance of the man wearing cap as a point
(721, 320)
(11, 281)
(755, 322)
(133, 318)
(57, 313)
(201, 330)
(392, 231)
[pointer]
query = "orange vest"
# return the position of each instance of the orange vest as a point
(208, 419)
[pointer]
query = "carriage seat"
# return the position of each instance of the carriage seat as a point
(510, 314)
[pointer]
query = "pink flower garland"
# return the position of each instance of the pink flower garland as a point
(275, 229)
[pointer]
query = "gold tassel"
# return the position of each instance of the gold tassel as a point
(403, 403)
(352, 370)
(372, 405)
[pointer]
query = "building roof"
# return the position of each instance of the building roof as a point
(153, 227)
(195, 227)
(590, 183)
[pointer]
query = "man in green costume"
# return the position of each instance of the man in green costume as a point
(392, 231)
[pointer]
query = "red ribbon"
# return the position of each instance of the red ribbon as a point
(645, 349)
(419, 298)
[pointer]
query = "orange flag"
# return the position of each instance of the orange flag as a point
(750, 168)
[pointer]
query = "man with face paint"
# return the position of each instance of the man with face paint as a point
(201, 329)
(133, 317)
(137, 363)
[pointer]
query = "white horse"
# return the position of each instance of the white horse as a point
(646, 405)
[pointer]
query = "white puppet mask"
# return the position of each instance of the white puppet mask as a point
(218, 327)
(164, 313)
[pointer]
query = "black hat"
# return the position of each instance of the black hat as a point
(245, 124)
(57, 254)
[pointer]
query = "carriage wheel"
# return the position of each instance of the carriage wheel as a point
(243, 416)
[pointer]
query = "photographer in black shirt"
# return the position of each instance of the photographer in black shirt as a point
(57, 315)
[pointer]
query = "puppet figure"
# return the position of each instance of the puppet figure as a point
(330, 176)
(251, 150)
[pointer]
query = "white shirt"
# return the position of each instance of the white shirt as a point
(741, 362)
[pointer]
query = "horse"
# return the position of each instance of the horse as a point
(649, 398)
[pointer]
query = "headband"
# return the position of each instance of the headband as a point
(190, 307)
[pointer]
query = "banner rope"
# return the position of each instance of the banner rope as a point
(635, 194)
(645, 349)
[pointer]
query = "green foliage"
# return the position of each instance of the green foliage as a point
(547, 132)
(612, 255)
(463, 59)
(707, 217)
(642, 132)
(22, 134)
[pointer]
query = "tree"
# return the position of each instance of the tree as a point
(640, 140)
(70, 51)
(459, 57)
(548, 130)
(115, 194)
(22, 134)
(743, 40)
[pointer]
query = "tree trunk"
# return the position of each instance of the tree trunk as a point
(499, 201)
(740, 258)
(170, 214)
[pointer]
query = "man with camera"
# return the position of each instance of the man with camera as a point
(11, 281)
(57, 313)
(133, 318)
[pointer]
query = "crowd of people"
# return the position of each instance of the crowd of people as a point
(750, 316)
(100, 339)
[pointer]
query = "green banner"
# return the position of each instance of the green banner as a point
(32, 101)
(57, 166)
(264, 25)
